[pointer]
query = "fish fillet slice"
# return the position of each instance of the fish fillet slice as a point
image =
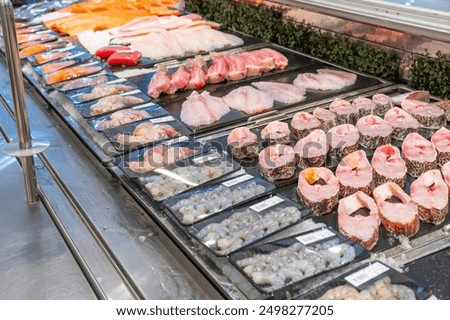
(359, 228)
(282, 92)
(419, 153)
(195, 112)
(388, 166)
(430, 192)
(249, 100)
(398, 213)
(441, 141)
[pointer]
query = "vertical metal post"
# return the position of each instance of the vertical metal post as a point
(18, 92)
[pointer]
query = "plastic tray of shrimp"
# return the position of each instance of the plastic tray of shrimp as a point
(132, 136)
(112, 103)
(285, 263)
(371, 281)
(166, 182)
(65, 62)
(144, 111)
(145, 160)
(238, 228)
(204, 202)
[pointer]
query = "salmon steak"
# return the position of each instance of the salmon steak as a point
(388, 166)
(343, 140)
(428, 115)
(383, 104)
(420, 154)
(398, 213)
(402, 123)
(430, 192)
(277, 162)
(318, 189)
(441, 141)
(326, 117)
(312, 150)
(374, 131)
(365, 106)
(345, 112)
(354, 173)
(358, 219)
(276, 132)
(243, 143)
(303, 123)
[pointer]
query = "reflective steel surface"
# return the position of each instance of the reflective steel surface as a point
(35, 262)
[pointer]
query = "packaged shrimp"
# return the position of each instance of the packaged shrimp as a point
(111, 103)
(124, 116)
(371, 281)
(201, 203)
(282, 265)
(238, 228)
(181, 176)
(132, 136)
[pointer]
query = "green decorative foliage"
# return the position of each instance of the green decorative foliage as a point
(262, 22)
(433, 75)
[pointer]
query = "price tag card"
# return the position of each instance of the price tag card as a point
(162, 119)
(367, 274)
(237, 180)
(315, 236)
(267, 204)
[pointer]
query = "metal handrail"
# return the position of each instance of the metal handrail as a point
(24, 150)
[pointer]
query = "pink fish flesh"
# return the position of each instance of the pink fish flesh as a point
(344, 135)
(237, 69)
(417, 148)
(344, 110)
(429, 116)
(303, 123)
(276, 132)
(389, 165)
(441, 140)
(253, 65)
(446, 174)
(361, 228)
(373, 126)
(313, 145)
(281, 92)
(280, 60)
(159, 83)
(248, 100)
(354, 172)
(145, 133)
(241, 136)
(399, 118)
(365, 106)
(218, 71)
(202, 109)
(318, 189)
(180, 78)
(198, 76)
(398, 213)
(430, 192)
(325, 79)
(276, 156)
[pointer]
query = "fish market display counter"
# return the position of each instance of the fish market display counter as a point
(163, 205)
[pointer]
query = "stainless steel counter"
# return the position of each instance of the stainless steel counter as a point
(120, 249)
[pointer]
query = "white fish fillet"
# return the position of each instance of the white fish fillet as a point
(249, 100)
(282, 92)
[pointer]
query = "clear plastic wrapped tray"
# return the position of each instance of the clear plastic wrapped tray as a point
(201, 203)
(236, 229)
(285, 263)
(371, 281)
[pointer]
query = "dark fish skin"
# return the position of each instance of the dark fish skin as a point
(282, 140)
(340, 153)
(348, 118)
(381, 109)
(280, 173)
(416, 168)
(319, 208)
(301, 133)
(311, 162)
(401, 133)
(442, 158)
(433, 215)
(430, 122)
(371, 142)
(345, 191)
(248, 151)
(380, 179)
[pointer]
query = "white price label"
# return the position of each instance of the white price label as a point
(145, 105)
(129, 93)
(315, 236)
(120, 80)
(206, 158)
(176, 140)
(266, 204)
(44, 31)
(364, 275)
(68, 48)
(162, 119)
(237, 180)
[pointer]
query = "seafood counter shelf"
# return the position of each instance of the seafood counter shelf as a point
(242, 222)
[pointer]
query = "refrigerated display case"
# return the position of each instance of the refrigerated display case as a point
(131, 244)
